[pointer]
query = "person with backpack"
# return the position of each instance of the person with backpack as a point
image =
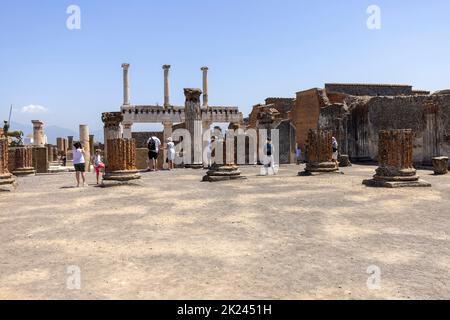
(153, 145)
(269, 159)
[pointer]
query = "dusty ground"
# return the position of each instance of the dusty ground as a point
(172, 237)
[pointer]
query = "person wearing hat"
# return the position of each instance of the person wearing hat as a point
(170, 153)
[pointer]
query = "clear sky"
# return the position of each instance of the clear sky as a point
(254, 48)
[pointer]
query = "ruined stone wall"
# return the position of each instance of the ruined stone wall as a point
(283, 105)
(427, 116)
(287, 135)
(369, 89)
(305, 114)
(334, 118)
(142, 138)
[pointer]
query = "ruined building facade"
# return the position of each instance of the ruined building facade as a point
(355, 113)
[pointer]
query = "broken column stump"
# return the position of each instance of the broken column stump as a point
(223, 173)
(21, 161)
(319, 152)
(121, 161)
(6, 178)
(344, 161)
(440, 165)
(396, 161)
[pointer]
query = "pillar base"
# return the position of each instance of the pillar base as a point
(8, 180)
(20, 172)
(122, 176)
(440, 165)
(320, 168)
(194, 166)
(223, 173)
(378, 183)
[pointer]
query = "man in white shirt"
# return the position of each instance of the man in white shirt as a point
(153, 150)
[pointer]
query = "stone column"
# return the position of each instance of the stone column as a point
(166, 69)
(38, 133)
(126, 85)
(70, 142)
(168, 130)
(395, 157)
(21, 161)
(127, 130)
(6, 178)
(40, 159)
(84, 140)
(319, 152)
(205, 86)
(60, 145)
(194, 126)
(111, 127)
(91, 144)
(121, 160)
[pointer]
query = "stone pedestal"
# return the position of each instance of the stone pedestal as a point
(121, 160)
(396, 161)
(6, 178)
(319, 152)
(21, 161)
(440, 165)
(223, 173)
(40, 159)
(344, 161)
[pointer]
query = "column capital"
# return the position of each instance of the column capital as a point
(166, 66)
(125, 66)
(204, 68)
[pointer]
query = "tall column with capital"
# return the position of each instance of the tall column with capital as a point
(194, 126)
(126, 85)
(111, 127)
(166, 69)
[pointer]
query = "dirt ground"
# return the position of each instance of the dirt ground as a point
(170, 236)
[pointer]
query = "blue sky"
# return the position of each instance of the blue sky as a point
(255, 49)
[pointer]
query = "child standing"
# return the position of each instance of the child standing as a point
(98, 164)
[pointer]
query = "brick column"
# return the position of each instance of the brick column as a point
(395, 157)
(121, 160)
(319, 152)
(111, 127)
(6, 178)
(21, 161)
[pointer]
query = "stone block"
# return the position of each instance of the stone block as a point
(440, 165)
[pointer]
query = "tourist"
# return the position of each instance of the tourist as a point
(153, 150)
(170, 153)
(79, 163)
(335, 146)
(299, 155)
(98, 164)
(209, 151)
(269, 159)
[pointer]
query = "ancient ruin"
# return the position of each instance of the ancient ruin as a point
(396, 161)
(21, 161)
(223, 173)
(6, 178)
(121, 160)
(319, 153)
(440, 165)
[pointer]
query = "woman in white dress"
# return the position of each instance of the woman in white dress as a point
(335, 150)
(171, 153)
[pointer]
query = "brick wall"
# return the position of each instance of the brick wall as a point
(369, 89)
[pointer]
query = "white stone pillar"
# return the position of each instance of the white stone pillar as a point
(38, 133)
(84, 140)
(166, 69)
(205, 86)
(126, 85)
(168, 130)
(127, 130)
